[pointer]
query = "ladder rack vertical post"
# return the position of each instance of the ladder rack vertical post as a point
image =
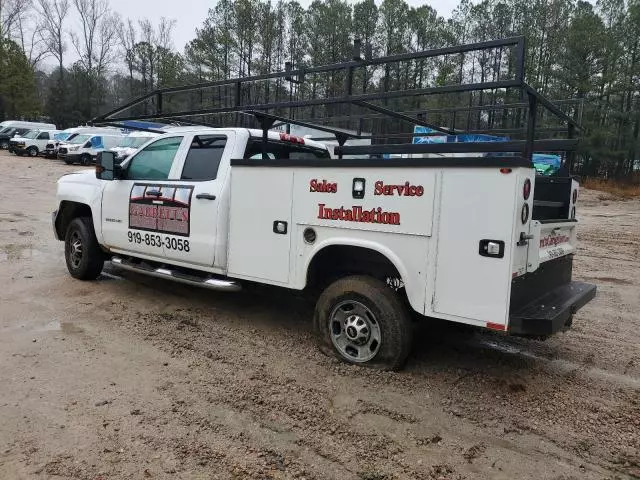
(531, 126)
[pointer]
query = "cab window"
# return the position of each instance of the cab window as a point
(43, 136)
(155, 160)
(204, 157)
(284, 151)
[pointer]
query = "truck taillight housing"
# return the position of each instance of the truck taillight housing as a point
(526, 189)
(575, 195)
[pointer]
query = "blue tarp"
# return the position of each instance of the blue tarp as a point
(462, 138)
(544, 163)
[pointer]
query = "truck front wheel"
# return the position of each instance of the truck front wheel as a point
(81, 250)
(361, 320)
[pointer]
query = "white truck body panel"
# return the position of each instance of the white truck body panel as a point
(430, 222)
(410, 226)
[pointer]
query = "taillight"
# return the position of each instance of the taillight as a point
(524, 215)
(575, 195)
(526, 190)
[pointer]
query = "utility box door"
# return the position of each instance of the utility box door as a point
(260, 224)
(475, 206)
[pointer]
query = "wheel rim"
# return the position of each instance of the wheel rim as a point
(85, 161)
(5, 145)
(355, 331)
(33, 152)
(75, 250)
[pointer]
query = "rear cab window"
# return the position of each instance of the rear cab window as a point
(283, 150)
(203, 159)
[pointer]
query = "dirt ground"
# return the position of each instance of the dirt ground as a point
(132, 378)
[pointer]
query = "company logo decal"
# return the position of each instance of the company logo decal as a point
(553, 240)
(161, 208)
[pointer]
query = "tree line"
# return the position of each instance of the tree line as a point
(575, 50)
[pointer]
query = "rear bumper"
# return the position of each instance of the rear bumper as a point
(553, 311)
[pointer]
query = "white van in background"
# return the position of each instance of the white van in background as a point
(11, 128)
(32, 143)
(131, 144)
(84, 148)
(65, 136)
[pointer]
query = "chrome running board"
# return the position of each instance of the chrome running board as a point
(162, 272)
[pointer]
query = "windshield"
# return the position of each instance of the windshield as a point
(80, 139)
(5, 130)
(31, 134)
(133, 142)
(62, 136)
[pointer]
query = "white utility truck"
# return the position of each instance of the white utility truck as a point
(447, 238)
(464, 232)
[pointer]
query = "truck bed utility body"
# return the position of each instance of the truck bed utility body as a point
(461, 232)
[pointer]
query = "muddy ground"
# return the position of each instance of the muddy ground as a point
(134, 378)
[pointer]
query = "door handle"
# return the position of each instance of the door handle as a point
(524, 239)
(205, 196)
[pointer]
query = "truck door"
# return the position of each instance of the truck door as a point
(200, 173)
(143, 210)
(474, 250)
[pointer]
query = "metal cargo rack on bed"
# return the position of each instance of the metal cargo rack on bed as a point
(363, 85)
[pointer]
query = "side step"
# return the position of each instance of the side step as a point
(211, 283)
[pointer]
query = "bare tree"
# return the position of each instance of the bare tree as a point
(11, 12)
(52, 15)
(128, 39)
(96, 45)
(152, 50)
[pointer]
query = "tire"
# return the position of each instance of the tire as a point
(4, 145)
(361, 320)
(32, 151)
(68, 162)
(88, 262)
(85, 160)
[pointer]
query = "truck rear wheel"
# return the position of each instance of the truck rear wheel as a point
(361, 320)
(82, 251)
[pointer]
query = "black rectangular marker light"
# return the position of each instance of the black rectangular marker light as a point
(359, 185)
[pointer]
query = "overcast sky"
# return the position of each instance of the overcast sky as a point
(190, 14)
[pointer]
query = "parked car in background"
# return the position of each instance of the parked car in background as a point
(32, 143)
(84, 148)
(51, 148)
(65, 136)
(131, 144)
(11, 128)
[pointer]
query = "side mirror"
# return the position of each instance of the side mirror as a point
(105, 165)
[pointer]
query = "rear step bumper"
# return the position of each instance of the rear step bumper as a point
(551, 312)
